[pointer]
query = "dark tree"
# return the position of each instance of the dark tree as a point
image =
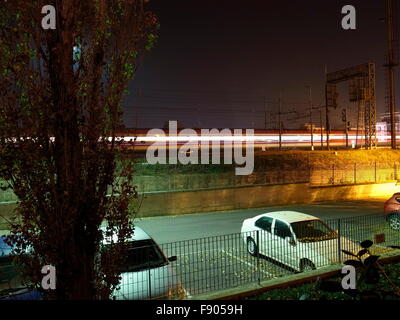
(60, 108)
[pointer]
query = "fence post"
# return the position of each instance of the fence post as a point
(149, 282)
(339, 243)
(258, 257)
(355, 173)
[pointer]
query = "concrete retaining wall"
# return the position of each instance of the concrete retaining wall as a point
(350, 174)
(178, 182)
(335, 175)
(219, 199)
(175, 203)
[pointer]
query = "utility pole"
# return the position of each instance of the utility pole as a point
(346, 124)
(265, 112)
(140, 92)
(322, 135)
(327, 109)
(279, 119)
(280, 122)
(328, 126)
(391, 64)
(311, 121)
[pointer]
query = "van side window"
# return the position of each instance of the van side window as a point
(282, 229)
(264, 223)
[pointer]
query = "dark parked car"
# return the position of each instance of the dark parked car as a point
(10, 286)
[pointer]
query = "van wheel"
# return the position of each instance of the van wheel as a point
(394, 221)
(306, 265)
(252, 247)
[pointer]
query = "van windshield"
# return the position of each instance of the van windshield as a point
(313, 231)
(143, 254)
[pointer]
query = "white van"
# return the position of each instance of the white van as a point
(300, 241)
(148, 273)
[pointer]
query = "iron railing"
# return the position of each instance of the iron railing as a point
(228, 261)
(216, 263)
(355, 173)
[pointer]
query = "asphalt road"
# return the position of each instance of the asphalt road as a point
(195, 226)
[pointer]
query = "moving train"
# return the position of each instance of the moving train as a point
(141, 139)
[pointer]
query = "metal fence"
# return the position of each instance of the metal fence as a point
(228, 261)
(355, 173)
(186, 268)
(7, 196)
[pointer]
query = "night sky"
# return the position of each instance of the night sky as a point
(217, 61)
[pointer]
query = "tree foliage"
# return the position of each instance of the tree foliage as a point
(60, 108)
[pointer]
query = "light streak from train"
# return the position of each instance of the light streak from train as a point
(255, 138)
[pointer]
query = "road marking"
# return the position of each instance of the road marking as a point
(247, 263)
(187, 294)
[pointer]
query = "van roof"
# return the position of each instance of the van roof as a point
(289, 216)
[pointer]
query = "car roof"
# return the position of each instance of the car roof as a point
(138, 234)
(5, 249)
(288, 216)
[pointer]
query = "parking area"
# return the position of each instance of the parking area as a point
(206, 265)
(221, 262)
